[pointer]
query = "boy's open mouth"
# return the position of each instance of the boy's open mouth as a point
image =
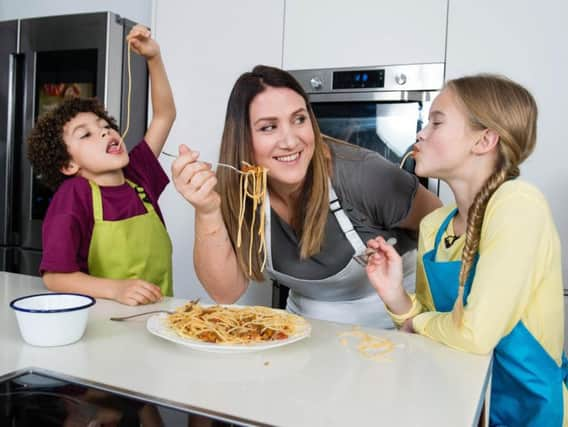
(114, 147)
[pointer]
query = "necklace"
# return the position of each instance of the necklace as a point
(449, 240)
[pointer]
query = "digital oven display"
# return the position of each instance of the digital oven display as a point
(360, 79)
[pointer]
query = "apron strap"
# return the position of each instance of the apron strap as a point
(142, 194)
(97, 201)
(442, 229)
(344, 222)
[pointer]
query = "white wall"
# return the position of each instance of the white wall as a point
(135, 10)
(206, 46)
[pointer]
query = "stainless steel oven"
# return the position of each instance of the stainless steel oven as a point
(380, 108)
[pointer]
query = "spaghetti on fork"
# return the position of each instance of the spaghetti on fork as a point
(252, 185)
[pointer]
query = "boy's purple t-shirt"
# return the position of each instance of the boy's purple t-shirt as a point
(68, 223)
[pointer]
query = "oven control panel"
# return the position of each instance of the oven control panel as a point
(368, 83)
(358, 79)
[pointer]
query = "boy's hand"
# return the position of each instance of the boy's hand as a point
(141, 42)
(136, 292)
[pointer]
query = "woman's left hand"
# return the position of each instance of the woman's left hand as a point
(141, 42)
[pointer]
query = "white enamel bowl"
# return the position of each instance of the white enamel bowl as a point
(52, 319)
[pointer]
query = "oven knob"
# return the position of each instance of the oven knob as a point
(316, 82)
(400, 78)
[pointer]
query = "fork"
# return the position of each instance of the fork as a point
(216, 164)
(121, 318)
(363, 258)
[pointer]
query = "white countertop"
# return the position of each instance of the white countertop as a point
(313, 382)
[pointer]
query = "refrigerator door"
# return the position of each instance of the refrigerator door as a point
(24, 261)
(3, 258)
(8, 49)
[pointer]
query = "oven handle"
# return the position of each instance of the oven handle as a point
(409, 96)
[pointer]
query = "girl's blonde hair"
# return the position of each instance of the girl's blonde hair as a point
(493, 102)
(236, 147)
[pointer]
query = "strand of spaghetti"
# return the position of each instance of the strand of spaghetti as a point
(370, 346)
(242, 198)
(129, 95)
(406, 156)
(261, 229)
(254, 204)
(253, 186)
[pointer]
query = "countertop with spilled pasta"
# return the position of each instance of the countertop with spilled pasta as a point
(322, 380)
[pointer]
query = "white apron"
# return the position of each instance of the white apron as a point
(345, 297)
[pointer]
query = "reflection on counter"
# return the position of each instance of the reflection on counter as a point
(34, 399)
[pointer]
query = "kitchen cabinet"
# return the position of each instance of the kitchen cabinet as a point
(336, 33)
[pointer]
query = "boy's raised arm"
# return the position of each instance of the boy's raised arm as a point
(163, 106)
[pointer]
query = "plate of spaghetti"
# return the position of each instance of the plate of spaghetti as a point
(229, 328)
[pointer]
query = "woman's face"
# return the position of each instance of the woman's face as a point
(444, 145)
(282, 135)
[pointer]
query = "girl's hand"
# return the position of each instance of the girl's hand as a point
(195, 181)
(384, 270)
(141, 42)
(407, 326)
(136, 292)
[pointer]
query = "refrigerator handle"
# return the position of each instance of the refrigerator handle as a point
(13, 137)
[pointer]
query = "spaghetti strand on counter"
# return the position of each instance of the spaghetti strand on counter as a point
(369, 346)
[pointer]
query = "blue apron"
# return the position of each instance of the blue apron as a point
(527, 384)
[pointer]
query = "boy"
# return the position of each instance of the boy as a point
(103, 234)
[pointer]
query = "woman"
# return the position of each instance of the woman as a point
(489, 271)
(325, 199)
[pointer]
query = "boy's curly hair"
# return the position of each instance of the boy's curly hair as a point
(47, 151)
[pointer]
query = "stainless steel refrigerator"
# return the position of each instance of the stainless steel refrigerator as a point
(41, 61)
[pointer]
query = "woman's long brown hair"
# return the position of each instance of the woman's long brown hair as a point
(310, 212)
(497, 103)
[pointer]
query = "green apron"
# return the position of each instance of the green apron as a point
(138, 247)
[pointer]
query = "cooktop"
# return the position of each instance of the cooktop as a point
(35, 398)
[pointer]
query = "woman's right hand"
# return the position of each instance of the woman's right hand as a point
(195, 181)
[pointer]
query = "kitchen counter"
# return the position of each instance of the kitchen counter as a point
(314, 382)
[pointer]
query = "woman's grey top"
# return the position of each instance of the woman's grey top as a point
(376, 196)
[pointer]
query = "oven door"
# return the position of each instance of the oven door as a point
(385, 122)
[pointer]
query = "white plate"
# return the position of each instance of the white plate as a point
(157, 325)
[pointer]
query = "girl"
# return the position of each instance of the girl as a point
(489, 274)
